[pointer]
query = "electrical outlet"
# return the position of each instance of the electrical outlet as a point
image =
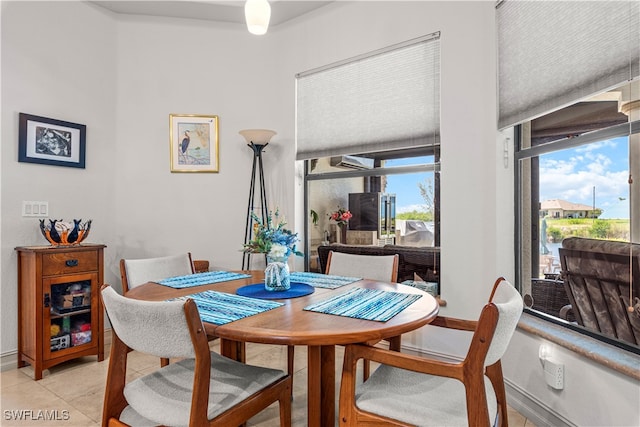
(554, 373)
(35, 209)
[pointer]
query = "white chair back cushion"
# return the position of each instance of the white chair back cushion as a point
(373, 267)
(140, 271)
(158, 328)
(509, 303)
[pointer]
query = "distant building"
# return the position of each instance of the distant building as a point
(556, 208)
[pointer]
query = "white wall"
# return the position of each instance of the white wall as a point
(58, 61)
(123, 76)
(593, 394)
(193, 67)
(468, 127)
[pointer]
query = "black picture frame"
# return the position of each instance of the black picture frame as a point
(51, 142)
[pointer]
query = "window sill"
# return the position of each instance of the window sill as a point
(612, 357)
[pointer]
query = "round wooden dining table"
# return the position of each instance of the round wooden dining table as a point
(289, 324)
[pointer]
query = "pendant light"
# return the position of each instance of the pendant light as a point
(257, 13)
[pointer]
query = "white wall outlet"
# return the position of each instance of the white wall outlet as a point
(35, 209)
(554, 373)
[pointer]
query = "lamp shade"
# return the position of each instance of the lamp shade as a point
(257, 13)
(257, 136)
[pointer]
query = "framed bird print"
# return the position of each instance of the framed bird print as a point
(194, 143)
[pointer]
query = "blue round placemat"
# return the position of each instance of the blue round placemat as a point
(258, 291)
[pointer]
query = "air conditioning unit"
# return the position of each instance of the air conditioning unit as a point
(352, 162)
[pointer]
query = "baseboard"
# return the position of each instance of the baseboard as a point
(532, 408)
(519, 399)
(9, 361)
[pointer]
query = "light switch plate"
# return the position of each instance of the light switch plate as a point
(35, 209)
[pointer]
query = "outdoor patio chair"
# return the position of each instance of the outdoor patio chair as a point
(598, 278)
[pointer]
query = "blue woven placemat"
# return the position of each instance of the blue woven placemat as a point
(197, 279)
(220, 308)
(367, 304)
(319, 280)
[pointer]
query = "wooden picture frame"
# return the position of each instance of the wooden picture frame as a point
(194, 143)
(51, 142)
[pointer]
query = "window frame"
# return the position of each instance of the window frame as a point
(532, 153)
(431, 150)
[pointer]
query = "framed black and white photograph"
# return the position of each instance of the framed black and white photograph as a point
(51, 142)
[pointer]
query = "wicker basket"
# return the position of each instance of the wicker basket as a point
(550, 297)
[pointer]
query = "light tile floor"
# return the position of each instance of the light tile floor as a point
(71, 394)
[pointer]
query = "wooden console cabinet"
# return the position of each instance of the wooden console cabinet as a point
(60, 314)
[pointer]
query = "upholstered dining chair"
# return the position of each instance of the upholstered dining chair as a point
(413, 390)
(135, 272)
(203, 388)
(373, 267)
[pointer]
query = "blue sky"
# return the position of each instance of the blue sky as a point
(405, 186)
(569, 175)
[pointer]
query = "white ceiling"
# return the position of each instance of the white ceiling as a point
(222, 11)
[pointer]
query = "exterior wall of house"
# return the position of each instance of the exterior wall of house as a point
(123, 75)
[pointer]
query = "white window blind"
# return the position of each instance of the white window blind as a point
(554, 53)
(384, 100)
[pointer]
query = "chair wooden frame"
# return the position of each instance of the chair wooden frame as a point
(115, 401)
(470, 371)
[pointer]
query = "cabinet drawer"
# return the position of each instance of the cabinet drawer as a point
(69, 262)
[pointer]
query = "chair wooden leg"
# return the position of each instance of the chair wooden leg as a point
(164, 362)
(285, 403)
(290, 356)
(114, 400)
(494, 372)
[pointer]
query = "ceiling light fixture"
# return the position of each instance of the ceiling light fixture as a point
(257, 14)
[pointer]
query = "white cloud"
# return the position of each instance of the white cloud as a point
(574, 178)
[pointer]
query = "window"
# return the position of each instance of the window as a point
(411, 177)
(573, 181)
(368, 130)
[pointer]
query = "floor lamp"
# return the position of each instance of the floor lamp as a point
(257, 139)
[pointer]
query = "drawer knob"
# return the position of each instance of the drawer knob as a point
(71, 262)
